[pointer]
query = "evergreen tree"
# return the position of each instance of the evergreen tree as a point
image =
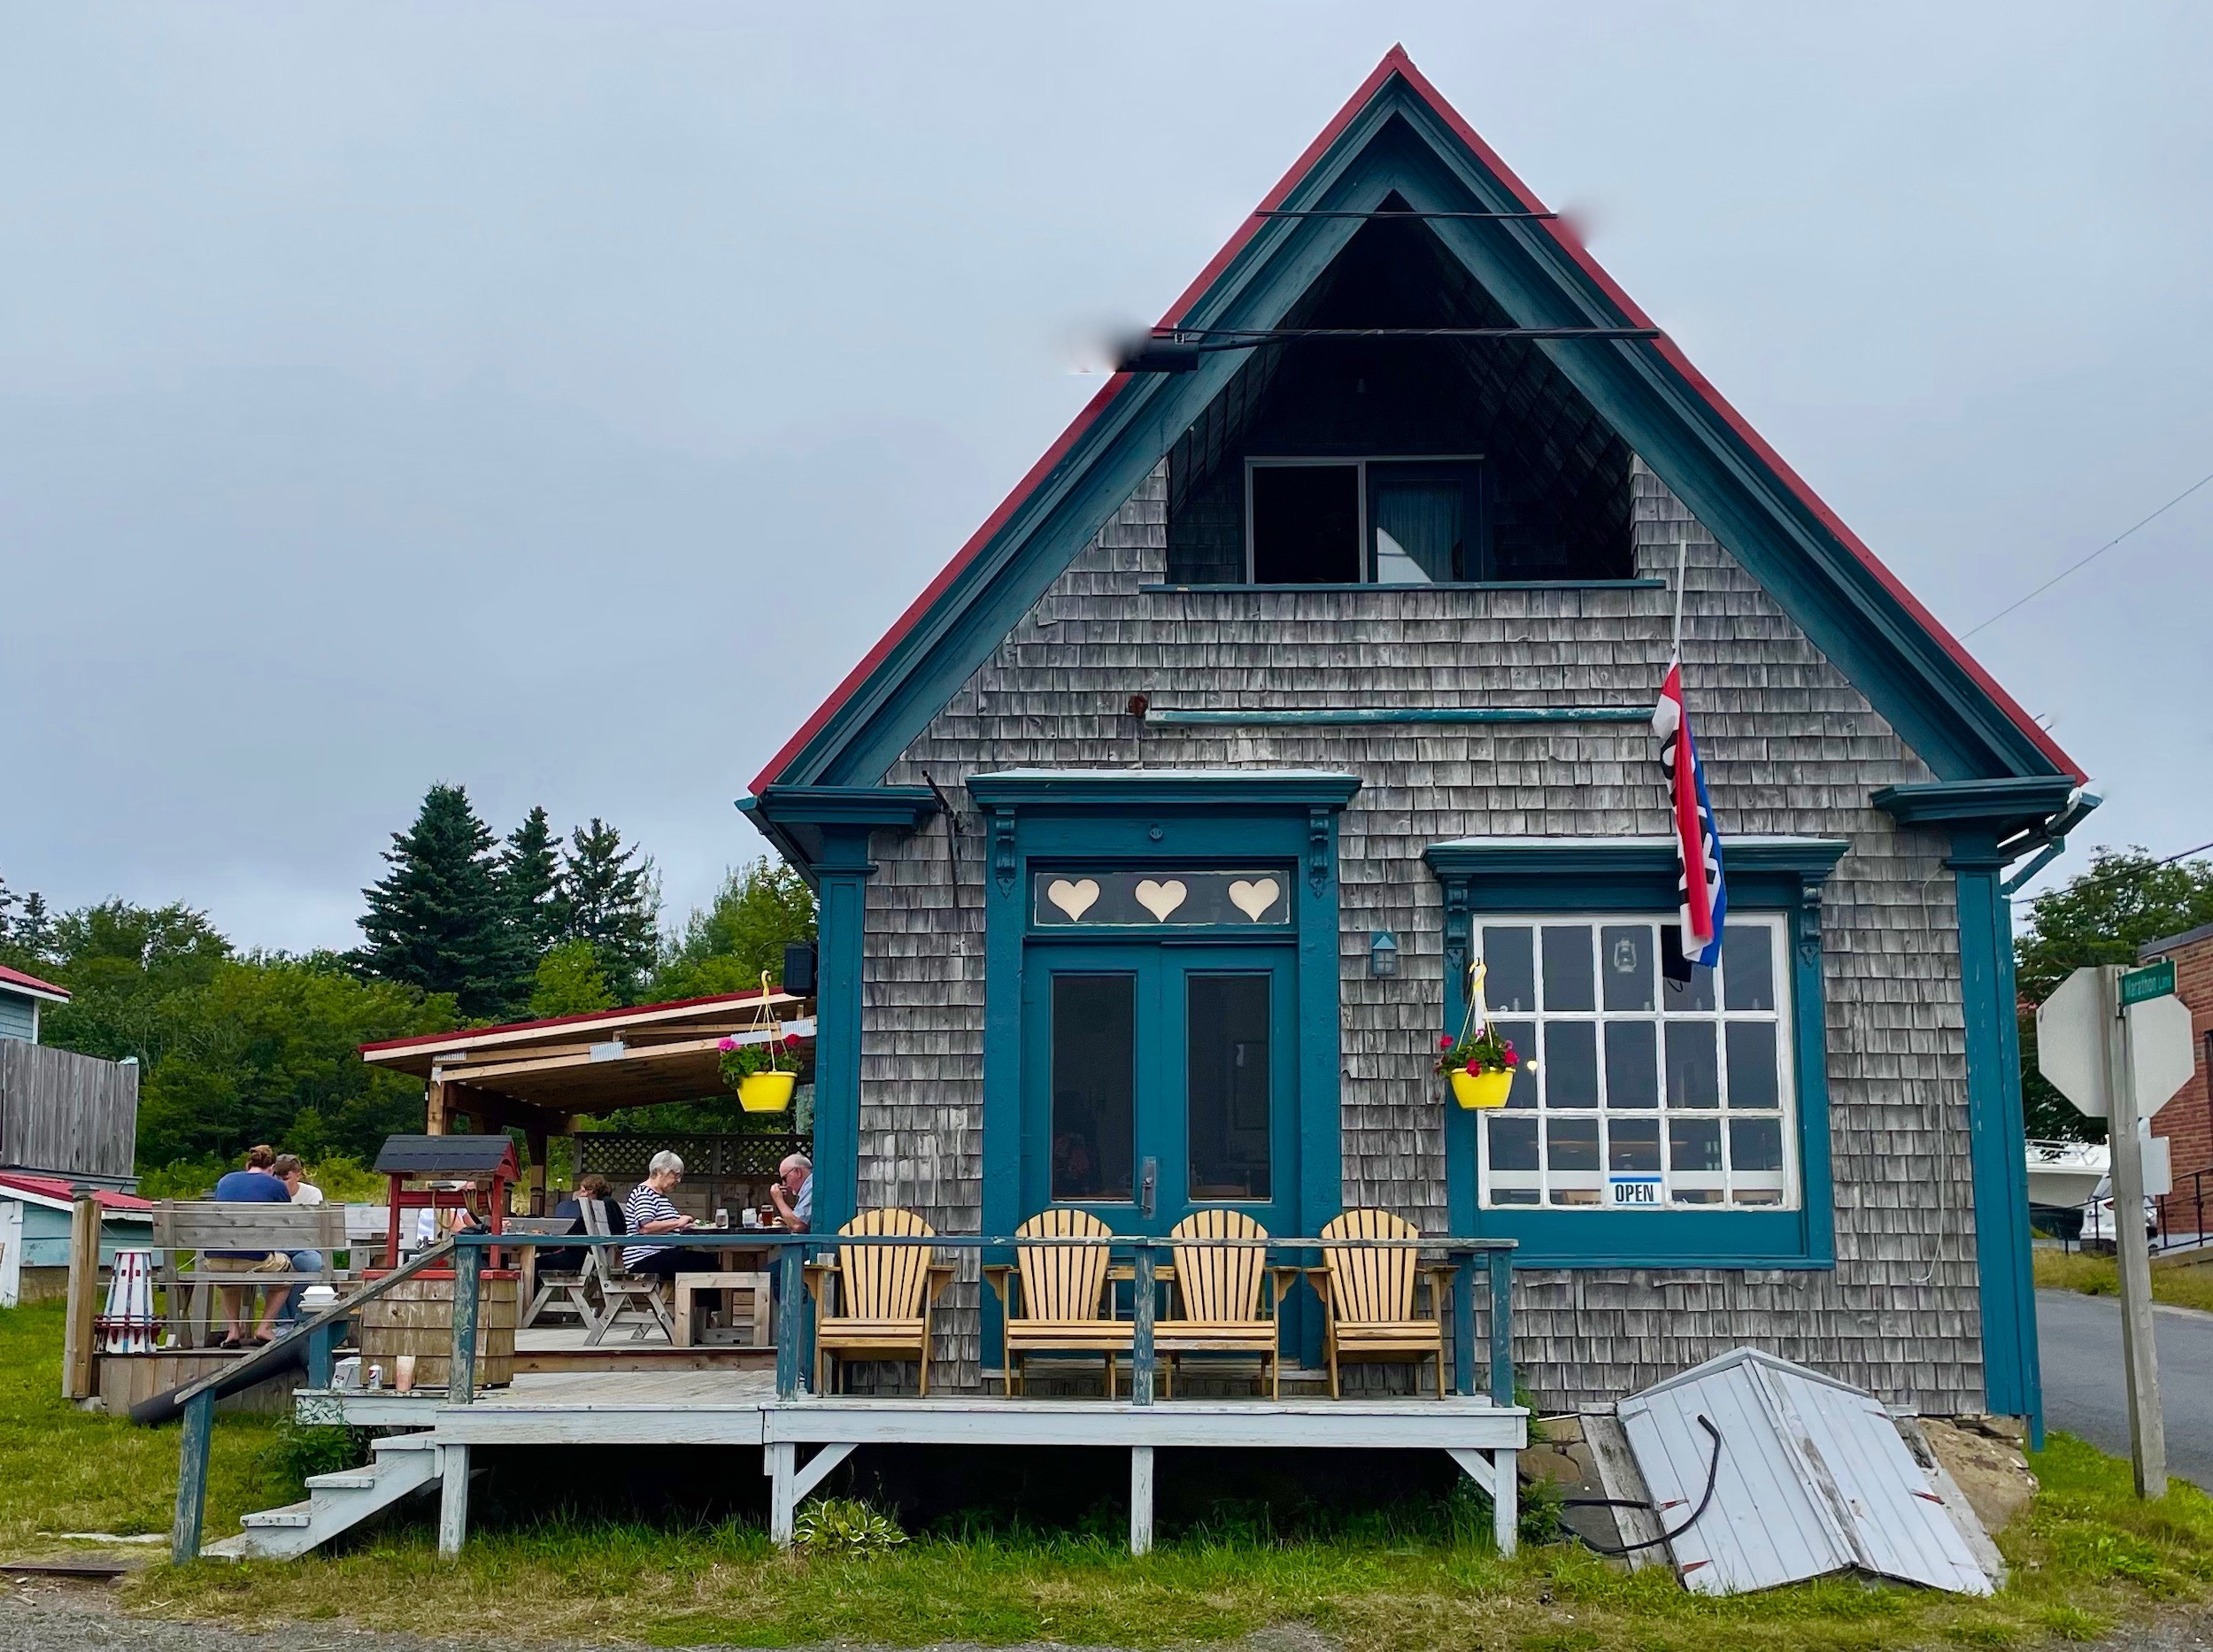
(530, 883)
(437, 920)
(610, 898)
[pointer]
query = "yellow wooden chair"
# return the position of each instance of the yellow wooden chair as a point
(1053, 1301)
(1367, 1296)
(874, 1302)
(1218, 1290)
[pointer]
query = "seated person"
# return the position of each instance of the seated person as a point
(256, 1185)
(288, 1170)
(591, 1189)
(648, 1210)
(792, 1193)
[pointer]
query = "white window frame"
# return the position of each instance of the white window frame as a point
(1787, 1183)
(1359, 462)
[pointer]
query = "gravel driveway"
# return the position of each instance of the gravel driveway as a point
(78, 1617)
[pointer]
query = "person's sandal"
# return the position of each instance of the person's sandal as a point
(231, 1344)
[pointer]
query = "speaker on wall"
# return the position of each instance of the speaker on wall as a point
(798, 969)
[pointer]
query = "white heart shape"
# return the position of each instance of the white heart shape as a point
(1162, 899)
(1074, 898)
(1254, 897)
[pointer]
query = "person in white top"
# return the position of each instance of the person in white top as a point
(288, 1170)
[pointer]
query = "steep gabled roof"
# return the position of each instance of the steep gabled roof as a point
(31, 986)
(1396, 134)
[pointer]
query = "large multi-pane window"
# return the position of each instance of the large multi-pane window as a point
(1650, 1093)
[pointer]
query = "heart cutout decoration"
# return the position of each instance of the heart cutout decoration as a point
(1255, 897)
(1162, 899)
(1074, 898)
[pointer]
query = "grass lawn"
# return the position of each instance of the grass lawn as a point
(2088, 1557)
(2188, 1286)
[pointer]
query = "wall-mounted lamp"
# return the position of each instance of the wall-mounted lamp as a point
(1382, 955)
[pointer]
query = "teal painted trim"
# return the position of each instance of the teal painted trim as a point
(2001, 806)
(1408, 714)
(1137, 818)
(795, 819)
(1212, 789)
(1632, 875)
(1445, 584)
(841, 877)
(2012, 1376)
(1648, 857)
(1399, 143)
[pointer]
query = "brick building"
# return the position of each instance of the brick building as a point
(2186, 1121)
(1303, 671)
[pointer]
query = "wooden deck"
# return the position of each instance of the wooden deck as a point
(739, 1407)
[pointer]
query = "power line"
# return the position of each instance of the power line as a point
(2092, 881)
(2093, 557)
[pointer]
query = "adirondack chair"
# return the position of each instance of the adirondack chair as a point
(625, 1298)
(1367, 1296)
(874, 1302)
(1218, 1292)
(1052, 1301)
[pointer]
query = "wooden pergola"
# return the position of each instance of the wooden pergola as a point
(541, 1076)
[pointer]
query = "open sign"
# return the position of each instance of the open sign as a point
(1633, 1193)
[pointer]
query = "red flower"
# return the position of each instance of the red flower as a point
(1445, 1043)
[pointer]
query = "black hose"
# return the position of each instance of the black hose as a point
(1713, 1478)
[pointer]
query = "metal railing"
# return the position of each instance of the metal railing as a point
(2170, 1207)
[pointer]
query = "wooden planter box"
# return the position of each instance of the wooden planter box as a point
(416, 1316)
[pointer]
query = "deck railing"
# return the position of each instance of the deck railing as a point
(794, 1332)
(1493, 1258)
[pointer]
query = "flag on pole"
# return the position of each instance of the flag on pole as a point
(1705, 899)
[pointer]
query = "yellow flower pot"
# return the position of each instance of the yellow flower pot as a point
(1481, 1090)
(766, 1092)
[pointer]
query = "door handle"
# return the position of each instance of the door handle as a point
(1146, 1183)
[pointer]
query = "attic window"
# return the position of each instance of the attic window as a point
(1379, 522)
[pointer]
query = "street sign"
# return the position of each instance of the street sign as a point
(2153, 981)
(2071, 1042)
(2161, 1056)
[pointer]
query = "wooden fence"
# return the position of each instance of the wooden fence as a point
(63, 1114)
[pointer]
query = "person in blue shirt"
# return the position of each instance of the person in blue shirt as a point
(256, 1185)
(793, 1194)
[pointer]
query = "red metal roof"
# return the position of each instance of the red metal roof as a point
(56, 1188)
(16, 978)
(1397, 62)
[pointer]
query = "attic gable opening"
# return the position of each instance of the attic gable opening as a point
(1398, 460)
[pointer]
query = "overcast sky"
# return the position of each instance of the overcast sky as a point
(558, 399)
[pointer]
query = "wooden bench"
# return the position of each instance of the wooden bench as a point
(192, 1227)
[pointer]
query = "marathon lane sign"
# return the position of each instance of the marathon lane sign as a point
(2153, 980)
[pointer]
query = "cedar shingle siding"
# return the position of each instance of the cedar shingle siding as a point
(1790, 747)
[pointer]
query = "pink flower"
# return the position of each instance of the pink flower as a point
(727, 1044)
(1445, 1043)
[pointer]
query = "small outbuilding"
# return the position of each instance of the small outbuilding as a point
(35, 1235)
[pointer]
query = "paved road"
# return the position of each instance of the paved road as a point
(2080, 1338)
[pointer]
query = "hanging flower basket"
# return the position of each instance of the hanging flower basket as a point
(1478, 1088)
(766, 1091)
(764, 1070)
(1479, 1065)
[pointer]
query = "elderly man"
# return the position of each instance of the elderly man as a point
(648, 1210)
(793, 1194)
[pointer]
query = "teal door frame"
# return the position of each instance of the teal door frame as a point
(1161, 970)
(1161, 819)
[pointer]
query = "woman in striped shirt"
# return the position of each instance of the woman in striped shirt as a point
(648, 1210)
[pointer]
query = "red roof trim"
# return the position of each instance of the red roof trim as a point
(1397, 62)
(57, 1189)
(560, 1020)
(16, 978)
